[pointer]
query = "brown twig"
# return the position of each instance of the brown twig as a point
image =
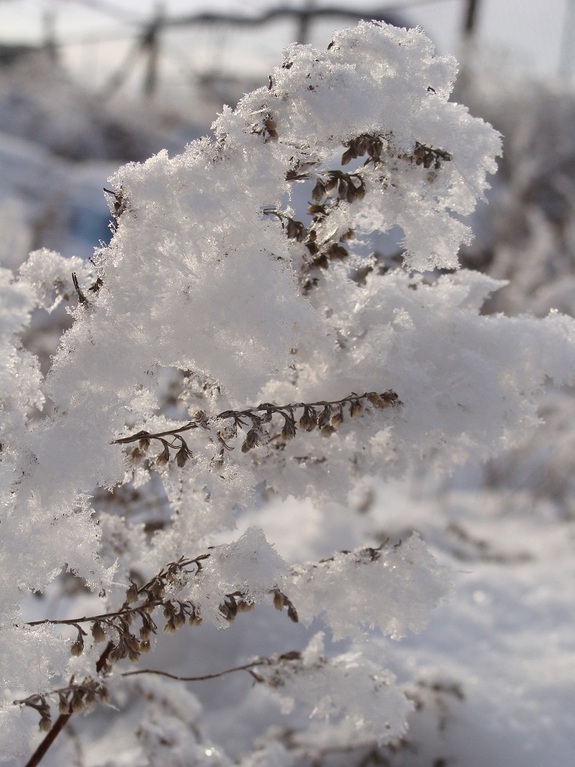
(204, 677)
(51, 736)
(326, 415)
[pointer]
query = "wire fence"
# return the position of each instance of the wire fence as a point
(205, 47)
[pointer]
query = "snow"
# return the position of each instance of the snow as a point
(426, 546)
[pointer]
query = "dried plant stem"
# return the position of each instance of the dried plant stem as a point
(203, 678)
(51, 736)
(62, 720)
(325, 415)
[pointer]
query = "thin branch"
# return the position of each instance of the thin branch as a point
(326, 415)
(204, 677)
(51, 736)
(91, 618)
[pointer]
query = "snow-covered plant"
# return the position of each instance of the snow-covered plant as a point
(241, 339)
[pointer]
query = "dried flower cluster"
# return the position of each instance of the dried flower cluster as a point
(129, 629)
(72, 699)
(127, 640)
(118, 206)
(334, 187)
(258, 424)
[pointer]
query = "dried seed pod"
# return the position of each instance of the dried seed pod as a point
(45, 723)
(374, 399)
(132, 593)
(183, 455)
(156, 589)
(172, 572)
(145, 646)
(251, 440)
(118, 652)
(279, 600)
(180, 618)
(327, 431)
(170, 626)
(63, 705)
(125, 621)
(352, 192)
(136, 456)
(228, 431)
(390, 396)
(148, 625)
(98, 632)
(350, 154)
(132, 643)
(144, 444)
(77, 647)
(290, 655)
(324, 417)
(194, 618)
(226, 612)
(164, 457)
(169, 611)
(336, 251)
(312, 247)
(377, 400)
(419, 153)
(337, 418)
(90, 696)
(232, 603)
(289, 428)
(355, 408)
(77, 704)
(134, 655)
(292, 613)
(376, 147)
(270, 127)
(295, 230)
(308, 419)
(362, 144)
(359, 191)
(332, 181)
(318, 192)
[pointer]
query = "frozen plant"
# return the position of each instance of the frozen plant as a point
(239, 338)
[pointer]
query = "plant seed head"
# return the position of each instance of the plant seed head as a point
(164, 457)
(132, 593)
(45, 724)
(98, 632)
(77, 705)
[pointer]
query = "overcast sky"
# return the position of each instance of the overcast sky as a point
(533, 32)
